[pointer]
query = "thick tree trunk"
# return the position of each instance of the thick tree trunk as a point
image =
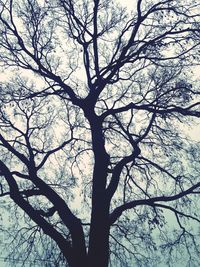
(98, 254)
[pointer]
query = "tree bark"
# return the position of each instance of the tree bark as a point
(99, 237)
(98, 254)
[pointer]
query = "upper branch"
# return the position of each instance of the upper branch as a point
(156, 109)
(95, 35)
(32, 62)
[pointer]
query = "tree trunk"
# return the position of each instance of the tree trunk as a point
(98, 254)
(99, 238)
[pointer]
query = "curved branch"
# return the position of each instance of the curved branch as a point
(149, 202)
(177, 212)
(112, 187)
(50, 152)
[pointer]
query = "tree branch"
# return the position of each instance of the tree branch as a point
(149, 202)
(156, 109)
(34, 215)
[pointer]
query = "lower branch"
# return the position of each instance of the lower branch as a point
(64, 245)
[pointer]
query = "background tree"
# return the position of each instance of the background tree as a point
(94, 158)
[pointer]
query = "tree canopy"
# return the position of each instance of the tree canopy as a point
(97, 166)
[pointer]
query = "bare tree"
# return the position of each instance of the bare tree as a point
(94, 157)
